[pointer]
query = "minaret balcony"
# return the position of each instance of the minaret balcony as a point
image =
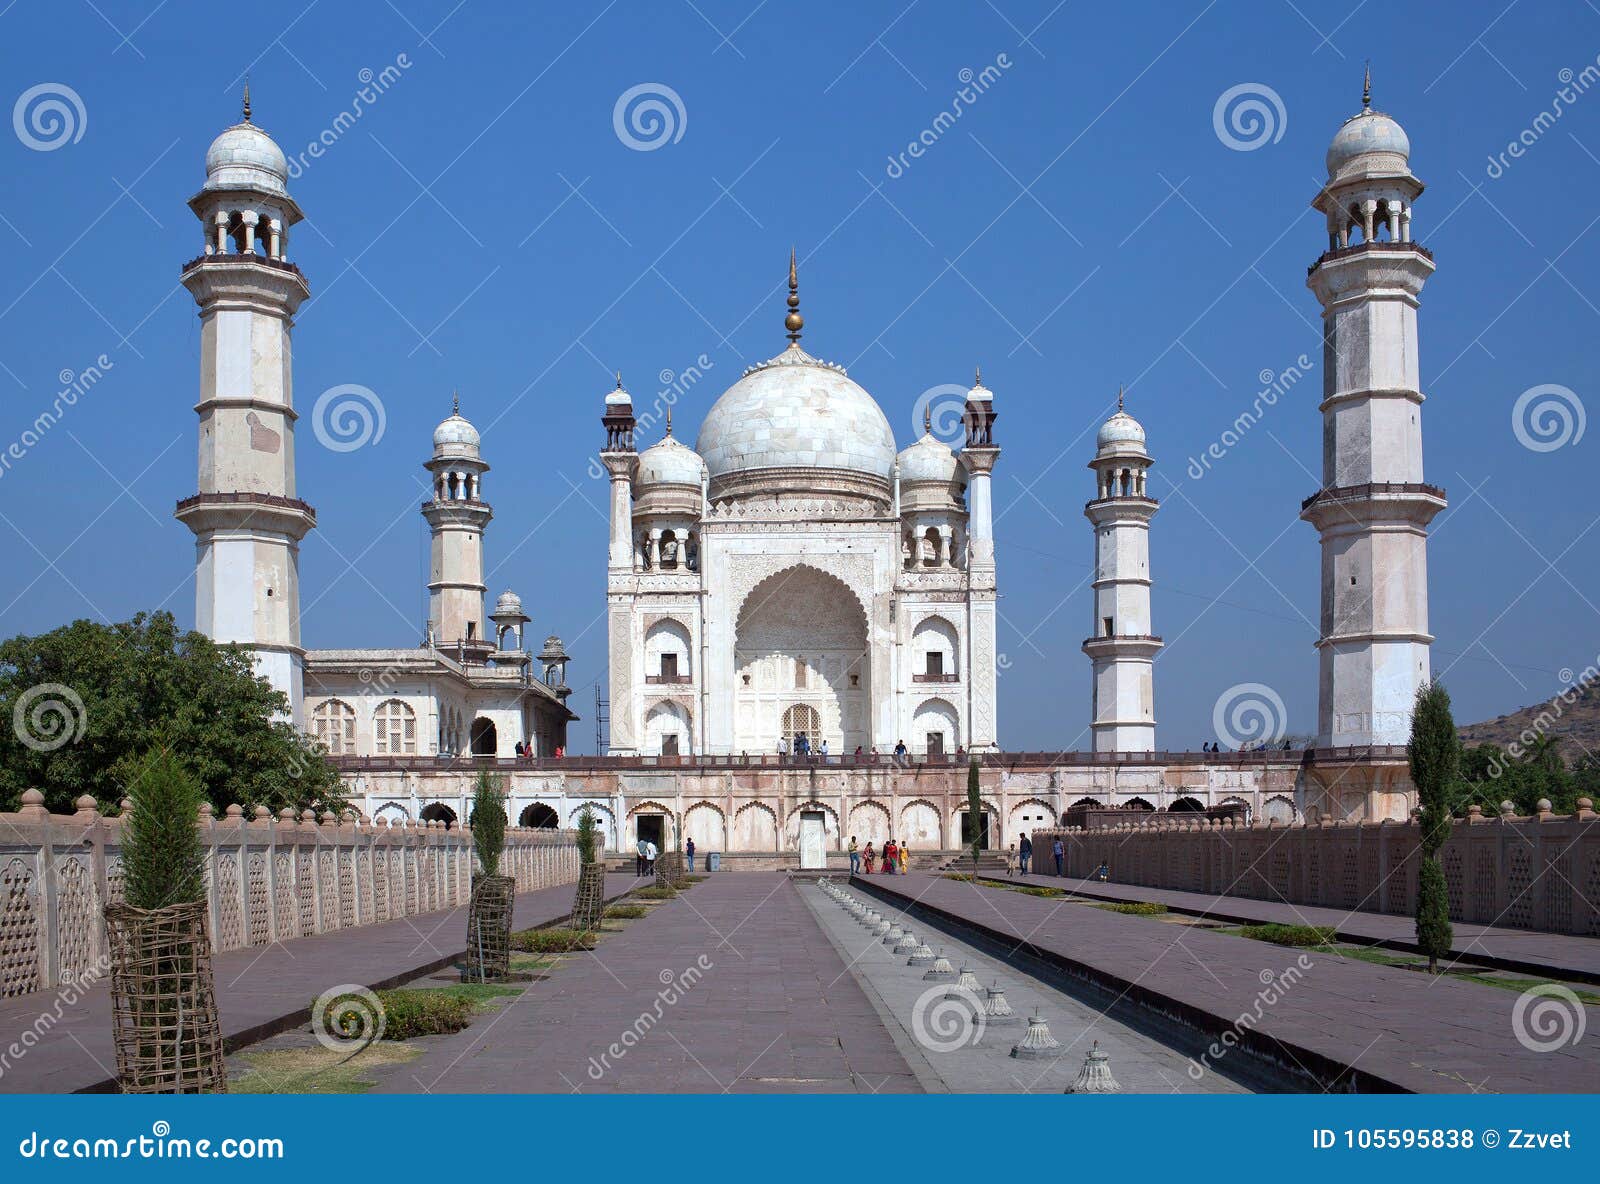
(1337, 505)
(1338, 254)
(235, 259)
(238, 510)
(1123, 645)
(669, 680)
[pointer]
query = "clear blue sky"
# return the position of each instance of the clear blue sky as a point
(483, 226)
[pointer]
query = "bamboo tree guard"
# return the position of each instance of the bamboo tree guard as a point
(588, 906)
(489, 929)
(163, 1001)
(670, 870)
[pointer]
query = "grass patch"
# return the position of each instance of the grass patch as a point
(625, 912)
(1134, 908)
(1298, 936)
(964, 877)
(696, 879)
(531, 963)
(552, 941)
(316, 1070)
(654, 893)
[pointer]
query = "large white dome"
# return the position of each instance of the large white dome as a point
(1369, 132)
(795, 412)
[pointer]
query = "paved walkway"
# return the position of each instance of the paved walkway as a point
(733, 987)
(1575, 959)
(1395, 1029)
(259, 991)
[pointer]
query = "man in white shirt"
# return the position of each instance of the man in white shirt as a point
(650, 854)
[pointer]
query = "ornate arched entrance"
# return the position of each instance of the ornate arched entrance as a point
(801, 664)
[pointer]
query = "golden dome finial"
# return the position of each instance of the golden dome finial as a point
(794, 322)
(1366, 88)
(247, 98)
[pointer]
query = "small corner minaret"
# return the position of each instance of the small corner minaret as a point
(621, 461)
(1373, 509)
(978, 456)
(457, 515)
(1122, 646)
(247, 518)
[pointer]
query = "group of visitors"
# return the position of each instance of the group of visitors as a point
(1019, 853)
(525, 750)
(896, 858)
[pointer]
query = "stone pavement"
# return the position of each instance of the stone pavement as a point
(1341, 1022)
(259, 991)
(1565, 956)
(766, 1006)
(952, 1050)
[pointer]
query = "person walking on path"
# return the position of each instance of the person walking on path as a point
(855, 857)
(1011, 860)
(1025, 852)
(688, 852)
(638, 858)
(1059, 850)
(650, 853)
(904, 854)
(871, 858)
(890, 855)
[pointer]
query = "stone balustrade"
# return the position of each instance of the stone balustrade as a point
(1539, 872)
(268, 879)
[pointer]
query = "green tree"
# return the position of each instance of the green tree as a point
(586, 836)
(975, 810)
(1435, 756)
(488, 822)
(144, 684)
(163, 862)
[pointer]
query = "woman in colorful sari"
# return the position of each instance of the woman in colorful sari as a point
(890, 855)
(905, 858)
(870, 858)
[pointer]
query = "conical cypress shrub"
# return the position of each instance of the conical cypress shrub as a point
(163, 861)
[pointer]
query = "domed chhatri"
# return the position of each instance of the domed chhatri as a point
(1369, 134)
(508, 604)
(245, 157)
(670, 462)
(929, 459)
(455, 436)
(619, 397)
(1120, 434)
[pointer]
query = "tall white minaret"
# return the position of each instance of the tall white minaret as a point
(1122, 646)
(457, 515)
(979, 455)
(621, 460)
(246, 517)
(1373, 508)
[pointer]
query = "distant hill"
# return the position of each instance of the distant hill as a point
(1575, 724)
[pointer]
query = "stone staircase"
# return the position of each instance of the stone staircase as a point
(990, 863)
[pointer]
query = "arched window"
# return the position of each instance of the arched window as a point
(334, 723)
(438, 812)
(539, 815)
(394, 729)
(485, 741)
(801, 720)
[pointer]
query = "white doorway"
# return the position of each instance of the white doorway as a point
(813, 839)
